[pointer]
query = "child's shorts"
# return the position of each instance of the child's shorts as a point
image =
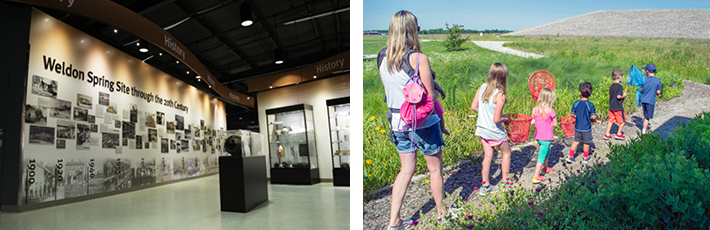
(494, 143)
(584, 137)
(647, 110)
(617, 116)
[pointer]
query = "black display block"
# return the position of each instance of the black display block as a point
(242, 183)
(294, 176)
(341, 176)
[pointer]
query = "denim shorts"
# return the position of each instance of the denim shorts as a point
(428, 140)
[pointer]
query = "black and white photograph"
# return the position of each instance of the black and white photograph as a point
(74, 182)
(61, 144)
(43, 86)
(146, 145)
(204, 145)
(202, 124)
(178, 149)
(129, 130)
(66, 129)
(170, 126)
(179, 122)
(179, 165)
(109, 140)
(164, 145)
(160, 118)
(188, 134)
(112, 108)
(43, 188)
(83, 136)
(196, 132)
(153, 135)
(178, 136)
(95, 140)
(185, 145)
(150, 120)
(134, 113)
(139, 141)
(103, 98)
(81, 114)
(84, 100)
(92, 119)
(60, 108)
(36, 115)
(172, 144)
(117, 124)
(94, 128)
(124, 142)
(41, 135)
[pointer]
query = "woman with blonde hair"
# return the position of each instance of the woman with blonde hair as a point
(400, 60)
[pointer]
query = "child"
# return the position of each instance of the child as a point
(651, 87)
(489, 102)
(584, 112)
(616, 106)
(544, 118)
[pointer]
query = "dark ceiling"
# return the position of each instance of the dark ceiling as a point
(212, 31)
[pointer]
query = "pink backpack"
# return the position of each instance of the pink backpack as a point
(418, 105)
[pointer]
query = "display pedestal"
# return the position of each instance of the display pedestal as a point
(294, 176)
(242, 183)
(341, 177)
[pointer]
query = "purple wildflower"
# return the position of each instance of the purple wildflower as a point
(539, 214)
(582, 182)
(577, 170)
(594, 181)
(518, 171)
(538, 189)
(470, 226)
(512, 192)
(470, 217)
(475, 188)
(480, 219)
(530, 203)
(599, 165)
(563, 164)
(439, 219)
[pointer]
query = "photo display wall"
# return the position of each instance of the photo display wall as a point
(97, 119)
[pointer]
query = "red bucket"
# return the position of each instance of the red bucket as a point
(567, 123)
(519, 128)
(539, 80)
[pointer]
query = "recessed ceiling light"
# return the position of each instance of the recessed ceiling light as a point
(210, 86)
(198, 77)
(178, 62)
(279, 62)
(247, 98)
(314, 76)
(271, 87)
(161, 54)
(188, 72)
(245, 14)
(138, 44)
(115, 31)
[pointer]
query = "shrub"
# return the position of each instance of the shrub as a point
(454, 40)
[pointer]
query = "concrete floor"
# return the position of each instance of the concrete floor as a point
(194, 204)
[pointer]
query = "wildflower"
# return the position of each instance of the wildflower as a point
(539, 214)
(582, 182)
(563, 164)
(518, 172)
(464, 200)
(439, 219)
(368, 162)
(470, 217)
(544, 185)
(503, 186)
(385, 164)
(414, 223)
(507, 178)
(470, 226)
(480, 219)
(382, 131)
(599, 165)
(512, 192)
(577, 170)
(550, 179)
(530, 203)
(475, 188)
(594, 181)
(377, 128)
(372, 118)
(426, 181)
(458, 131)
(607, 171)
(538, 189)
(369, 175)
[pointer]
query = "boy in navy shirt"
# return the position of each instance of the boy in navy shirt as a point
(651, 87)
(584, 112)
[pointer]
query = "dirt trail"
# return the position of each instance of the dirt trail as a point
(460, 180)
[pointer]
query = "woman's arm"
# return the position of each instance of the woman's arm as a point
(424, 73)
(500, 103)
(474, 104)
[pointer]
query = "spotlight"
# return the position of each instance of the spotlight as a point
(245, 13)
(247, 98)
(142, 46)
(278, 56)
(115, 31)
(177, 62)
(314, 76)
(161, 54)
(271, 87)
(198, 77)
(188, 72)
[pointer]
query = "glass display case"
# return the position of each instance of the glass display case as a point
(339, 122)
(242, 143)
(292, 145)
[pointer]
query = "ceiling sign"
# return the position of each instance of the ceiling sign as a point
(116, 15)
(311, 72)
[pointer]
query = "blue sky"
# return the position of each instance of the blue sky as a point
(507, 14)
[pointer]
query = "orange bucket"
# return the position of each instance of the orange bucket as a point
(519, 128)
(567, 123)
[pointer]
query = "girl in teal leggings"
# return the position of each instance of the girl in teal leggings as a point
(544, 119)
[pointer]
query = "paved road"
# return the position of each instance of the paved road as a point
(498, 46)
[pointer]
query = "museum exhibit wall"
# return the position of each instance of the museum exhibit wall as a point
(98, 120)
(313, 93)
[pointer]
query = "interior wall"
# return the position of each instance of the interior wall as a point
(314, 93)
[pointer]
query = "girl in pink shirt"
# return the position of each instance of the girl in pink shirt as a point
(544, 119)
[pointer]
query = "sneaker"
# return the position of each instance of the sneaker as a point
(585, 160)
(607, 137)
(569, 160)
(484, 190)
(620, 137)
(548, 170)
(406, 224)
(538, 179)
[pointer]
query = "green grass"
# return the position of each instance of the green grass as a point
(461, 73)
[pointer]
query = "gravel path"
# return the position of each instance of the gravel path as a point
(676, 23)
(498, 46)
(460, 180)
